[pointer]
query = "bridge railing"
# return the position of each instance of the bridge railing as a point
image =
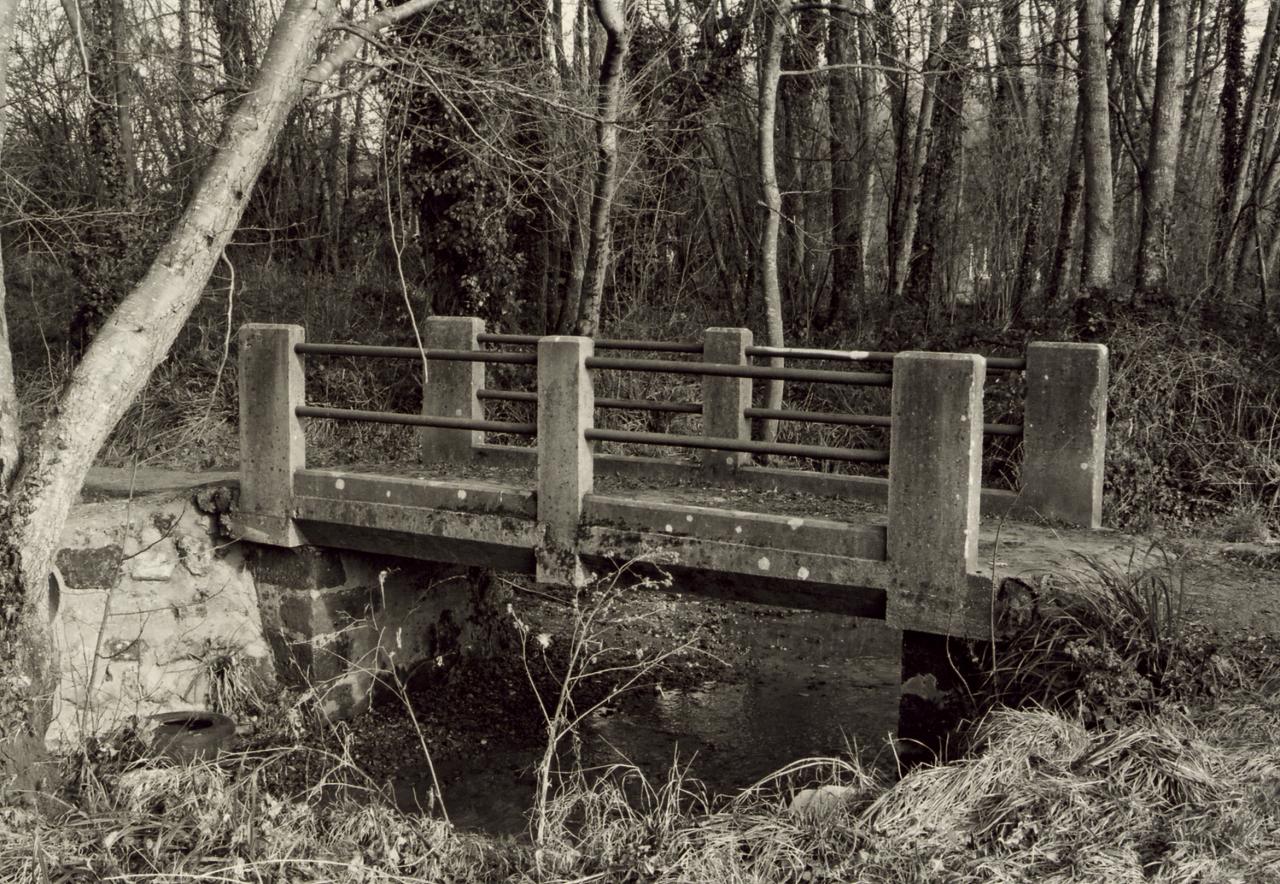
(1063, 431)
(934, 456)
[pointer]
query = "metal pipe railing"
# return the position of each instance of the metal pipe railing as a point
(620, 404)
(601, 344)
(1002, 363)
(820, 417)
(506, 395)
(859, 420)
(783, 449)
(704, 369)
(416, 420)
(379, 352)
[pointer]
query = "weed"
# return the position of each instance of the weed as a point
(1107, 641)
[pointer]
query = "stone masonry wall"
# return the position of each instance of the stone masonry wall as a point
(152, 601)
(155, 603)
(335, 619)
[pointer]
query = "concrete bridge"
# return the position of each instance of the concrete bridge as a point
(561, 508)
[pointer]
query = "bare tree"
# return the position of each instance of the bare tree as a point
(613, 19)
(1161, 173)
(850, 97)
(134, 340)
(775, 24)
(1097, 275)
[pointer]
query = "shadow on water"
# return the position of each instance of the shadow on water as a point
(807, 684)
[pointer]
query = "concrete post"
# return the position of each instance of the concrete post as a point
(451, 390)
(724, 400)
(935, 473)
(1065, 432)
(272, 446)
(566, 471)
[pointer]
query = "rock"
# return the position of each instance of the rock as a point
(155, 563)
(924, 686)
(196, 553)
(90, 568)
(303, 567)
(821, 802)
(216, 499)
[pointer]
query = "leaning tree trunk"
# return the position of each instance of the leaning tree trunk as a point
(1029, 261)
(9, 422)
(614, 21)
(770, 73)
(909, 190)
(1161, 171)
(133, 341)
(1069, 214)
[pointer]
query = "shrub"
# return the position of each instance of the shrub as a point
(1109, 642)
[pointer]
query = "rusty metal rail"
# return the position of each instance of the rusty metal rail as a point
(821, 417)
(781, 414)
(1000, 363)
(713, 369)
(378, 352)
(784, 449)
(416, 420)
(601, 344)
(603, 402)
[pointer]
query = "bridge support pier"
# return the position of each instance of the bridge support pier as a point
(566, 470)
(937, 674)
(337, 620)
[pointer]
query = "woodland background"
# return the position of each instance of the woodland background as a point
(927, 173)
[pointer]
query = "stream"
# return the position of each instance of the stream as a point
(805, 684)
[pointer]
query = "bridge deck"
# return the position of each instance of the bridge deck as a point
(796, 548)
(1232, 586)
(1006, 548)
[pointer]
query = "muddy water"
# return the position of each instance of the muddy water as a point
(804, 684)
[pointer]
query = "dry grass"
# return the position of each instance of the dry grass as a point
(1172, 797)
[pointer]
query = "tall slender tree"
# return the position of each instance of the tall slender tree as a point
(1160, 174)
(1098, 270)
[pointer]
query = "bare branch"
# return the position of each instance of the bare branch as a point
(361, 33)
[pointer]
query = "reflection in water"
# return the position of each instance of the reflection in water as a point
(811, 684)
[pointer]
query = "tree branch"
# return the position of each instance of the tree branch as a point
(361, 33)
